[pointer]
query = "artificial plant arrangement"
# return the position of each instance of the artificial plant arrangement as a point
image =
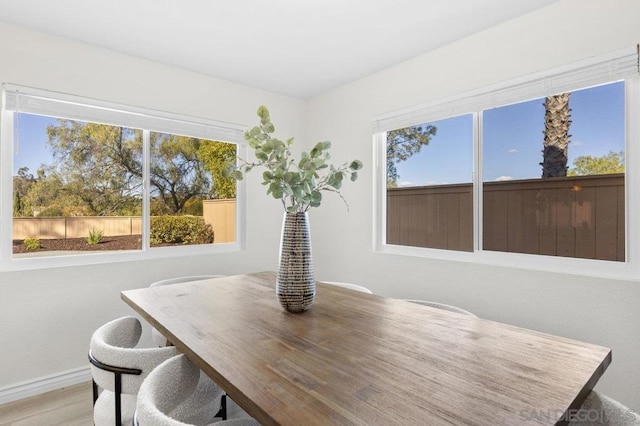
(297, 184)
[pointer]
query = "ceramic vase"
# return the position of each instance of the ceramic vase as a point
(295, 283)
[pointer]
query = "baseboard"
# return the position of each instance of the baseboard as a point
(44, 384)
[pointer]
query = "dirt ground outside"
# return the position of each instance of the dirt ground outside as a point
(125, 242)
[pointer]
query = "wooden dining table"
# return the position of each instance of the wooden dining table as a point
(362, 359)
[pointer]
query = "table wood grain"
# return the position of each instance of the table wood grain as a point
(362, 359)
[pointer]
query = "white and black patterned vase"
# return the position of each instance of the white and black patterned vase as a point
(295, 284)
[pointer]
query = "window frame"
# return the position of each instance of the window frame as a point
(617, 66)
(80, 108)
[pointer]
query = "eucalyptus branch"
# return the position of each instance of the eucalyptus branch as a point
(298, 184)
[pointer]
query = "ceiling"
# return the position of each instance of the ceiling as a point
(294, 47)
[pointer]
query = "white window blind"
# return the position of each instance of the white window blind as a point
(41, 102)
(604, 69)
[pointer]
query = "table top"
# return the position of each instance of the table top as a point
(357, 358)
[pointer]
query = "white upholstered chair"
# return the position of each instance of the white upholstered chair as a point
(449, 308)
(177, 393)
(184, 279)
(600, 410)
(118, 369)
(350, 286)
(157, 337)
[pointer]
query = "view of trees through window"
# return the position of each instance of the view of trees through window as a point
(552, 178)
(78, 186)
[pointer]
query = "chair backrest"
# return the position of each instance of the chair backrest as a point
(114, 344)
(177, 393)
(184, 279)
(599, 409)
(443, 306)
(350, 286)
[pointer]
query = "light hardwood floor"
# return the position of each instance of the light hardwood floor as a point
(71, 406)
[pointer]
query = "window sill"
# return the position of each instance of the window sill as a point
(85, 258)
(564, 265)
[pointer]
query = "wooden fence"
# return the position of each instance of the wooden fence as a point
(439, 216)
(74, 227)
(572, 217)
(221, 214)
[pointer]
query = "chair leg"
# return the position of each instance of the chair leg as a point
(95, 391)
(223, 407)
(118, 393)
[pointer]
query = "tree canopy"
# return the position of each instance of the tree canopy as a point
(97, 170)
(216, 156)
(613, 162)
(176, 173)
(402, 144)
(98, 164)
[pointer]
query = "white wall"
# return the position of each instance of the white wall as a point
(601, 311)
(47, 316)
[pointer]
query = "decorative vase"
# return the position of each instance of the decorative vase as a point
(295, 284)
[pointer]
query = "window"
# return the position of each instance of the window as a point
(85, 182)
(541, 181)
(553, 175)
(429, 187)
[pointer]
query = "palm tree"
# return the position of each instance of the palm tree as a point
(556, 135)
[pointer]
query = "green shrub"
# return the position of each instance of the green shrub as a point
(180, 230)
(32, 243)
(95, 236)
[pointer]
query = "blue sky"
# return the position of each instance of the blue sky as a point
(31, 149)
(512, 137)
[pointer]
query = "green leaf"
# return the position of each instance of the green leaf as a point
(297, 192)
(261, 156)
(275, 190)
(263, 113)
(317, 150)
(255, 131)
(315, 198)
(269, 128)
(303, 162)
(318, 162)
(355, 165)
